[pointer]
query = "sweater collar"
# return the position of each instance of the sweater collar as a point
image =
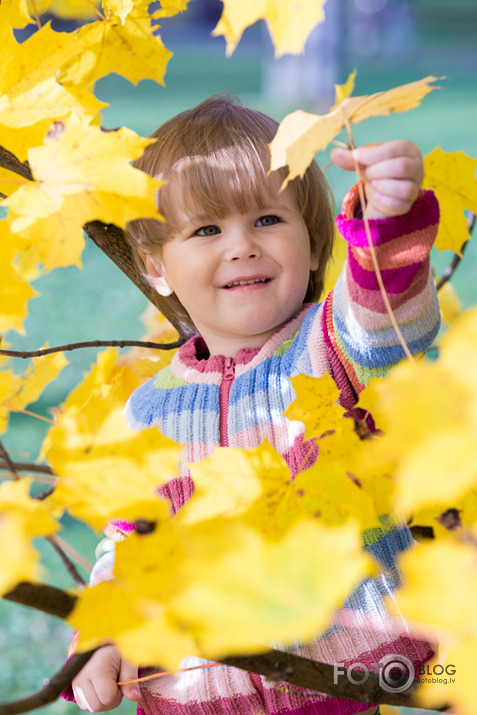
(193, 364)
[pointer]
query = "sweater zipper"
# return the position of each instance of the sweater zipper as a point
(225, 385)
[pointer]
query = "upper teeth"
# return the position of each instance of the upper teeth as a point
(245, 283)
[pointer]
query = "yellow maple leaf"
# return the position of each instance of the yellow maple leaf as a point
(452, 176)
(121, 8)
(87, 172)
(105, 469)
(18, 559)
(15, 290)
(36, 377)
(21, 519)
(315, 404)
(458, 348)
(34, 515)
(9, 384)
(422, 445)
(19, 139)
(256, 484)
(17, 392)
(334, 266)
(289, 22)
(449, 303)
(301, 134)
(456, 683)
(29, 92)
(123, 44)
(69, 9)
(344, 90)
(437, 596)
(15, 12)
(169, 8)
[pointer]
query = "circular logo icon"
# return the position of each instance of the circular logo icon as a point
(396, 673)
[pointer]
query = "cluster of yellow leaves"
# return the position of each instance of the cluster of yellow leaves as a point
(16, 392)
(231, 556)
(21, 519)
(218, 587)
(49, 115)
(81, 174)
(428, 411)
(424, 445)
(105, 469)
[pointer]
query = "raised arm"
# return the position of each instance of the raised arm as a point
(403, 223)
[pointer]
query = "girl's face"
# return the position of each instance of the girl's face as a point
(239, 277)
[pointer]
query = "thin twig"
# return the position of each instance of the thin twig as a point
(67, 562)
(8, 462)
(92, 344)
(450, 270)
(75, 555)
(374, 259)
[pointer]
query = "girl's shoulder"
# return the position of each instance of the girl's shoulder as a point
(146, 405)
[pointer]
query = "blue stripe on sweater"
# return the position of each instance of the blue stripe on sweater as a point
(376, 357)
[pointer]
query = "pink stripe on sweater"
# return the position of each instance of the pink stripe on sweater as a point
(422, 215)
(372, 298)
(396, 280)
(413, 248)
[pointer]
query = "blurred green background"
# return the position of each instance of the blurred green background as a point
(390, 42)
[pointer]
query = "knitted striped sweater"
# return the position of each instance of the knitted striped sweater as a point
(205, 401)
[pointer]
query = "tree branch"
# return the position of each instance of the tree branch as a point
(27, 467)
(51, 690)
(276, 665)
(42, 597)
(450, 270)
(92, 344)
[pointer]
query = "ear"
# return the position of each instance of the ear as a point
(314, 259)
(156, 272)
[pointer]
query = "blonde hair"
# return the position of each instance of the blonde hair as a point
(216, 156)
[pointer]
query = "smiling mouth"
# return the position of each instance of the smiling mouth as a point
(247, 283)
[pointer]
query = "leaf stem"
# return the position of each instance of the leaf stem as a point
(34, 414)
(97, 10)
(35, 12)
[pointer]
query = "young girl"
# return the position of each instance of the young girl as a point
(242, 265)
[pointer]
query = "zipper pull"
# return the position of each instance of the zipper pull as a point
(229, 369)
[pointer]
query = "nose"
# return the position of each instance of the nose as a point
(242, 244)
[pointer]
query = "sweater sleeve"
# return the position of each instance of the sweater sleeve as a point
(360, 339)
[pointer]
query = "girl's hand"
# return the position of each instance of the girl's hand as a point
(392, 174)
(96, 686)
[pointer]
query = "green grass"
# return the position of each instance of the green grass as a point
(100, 302)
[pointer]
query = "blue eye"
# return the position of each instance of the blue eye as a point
(207, 231)
(268, 220)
